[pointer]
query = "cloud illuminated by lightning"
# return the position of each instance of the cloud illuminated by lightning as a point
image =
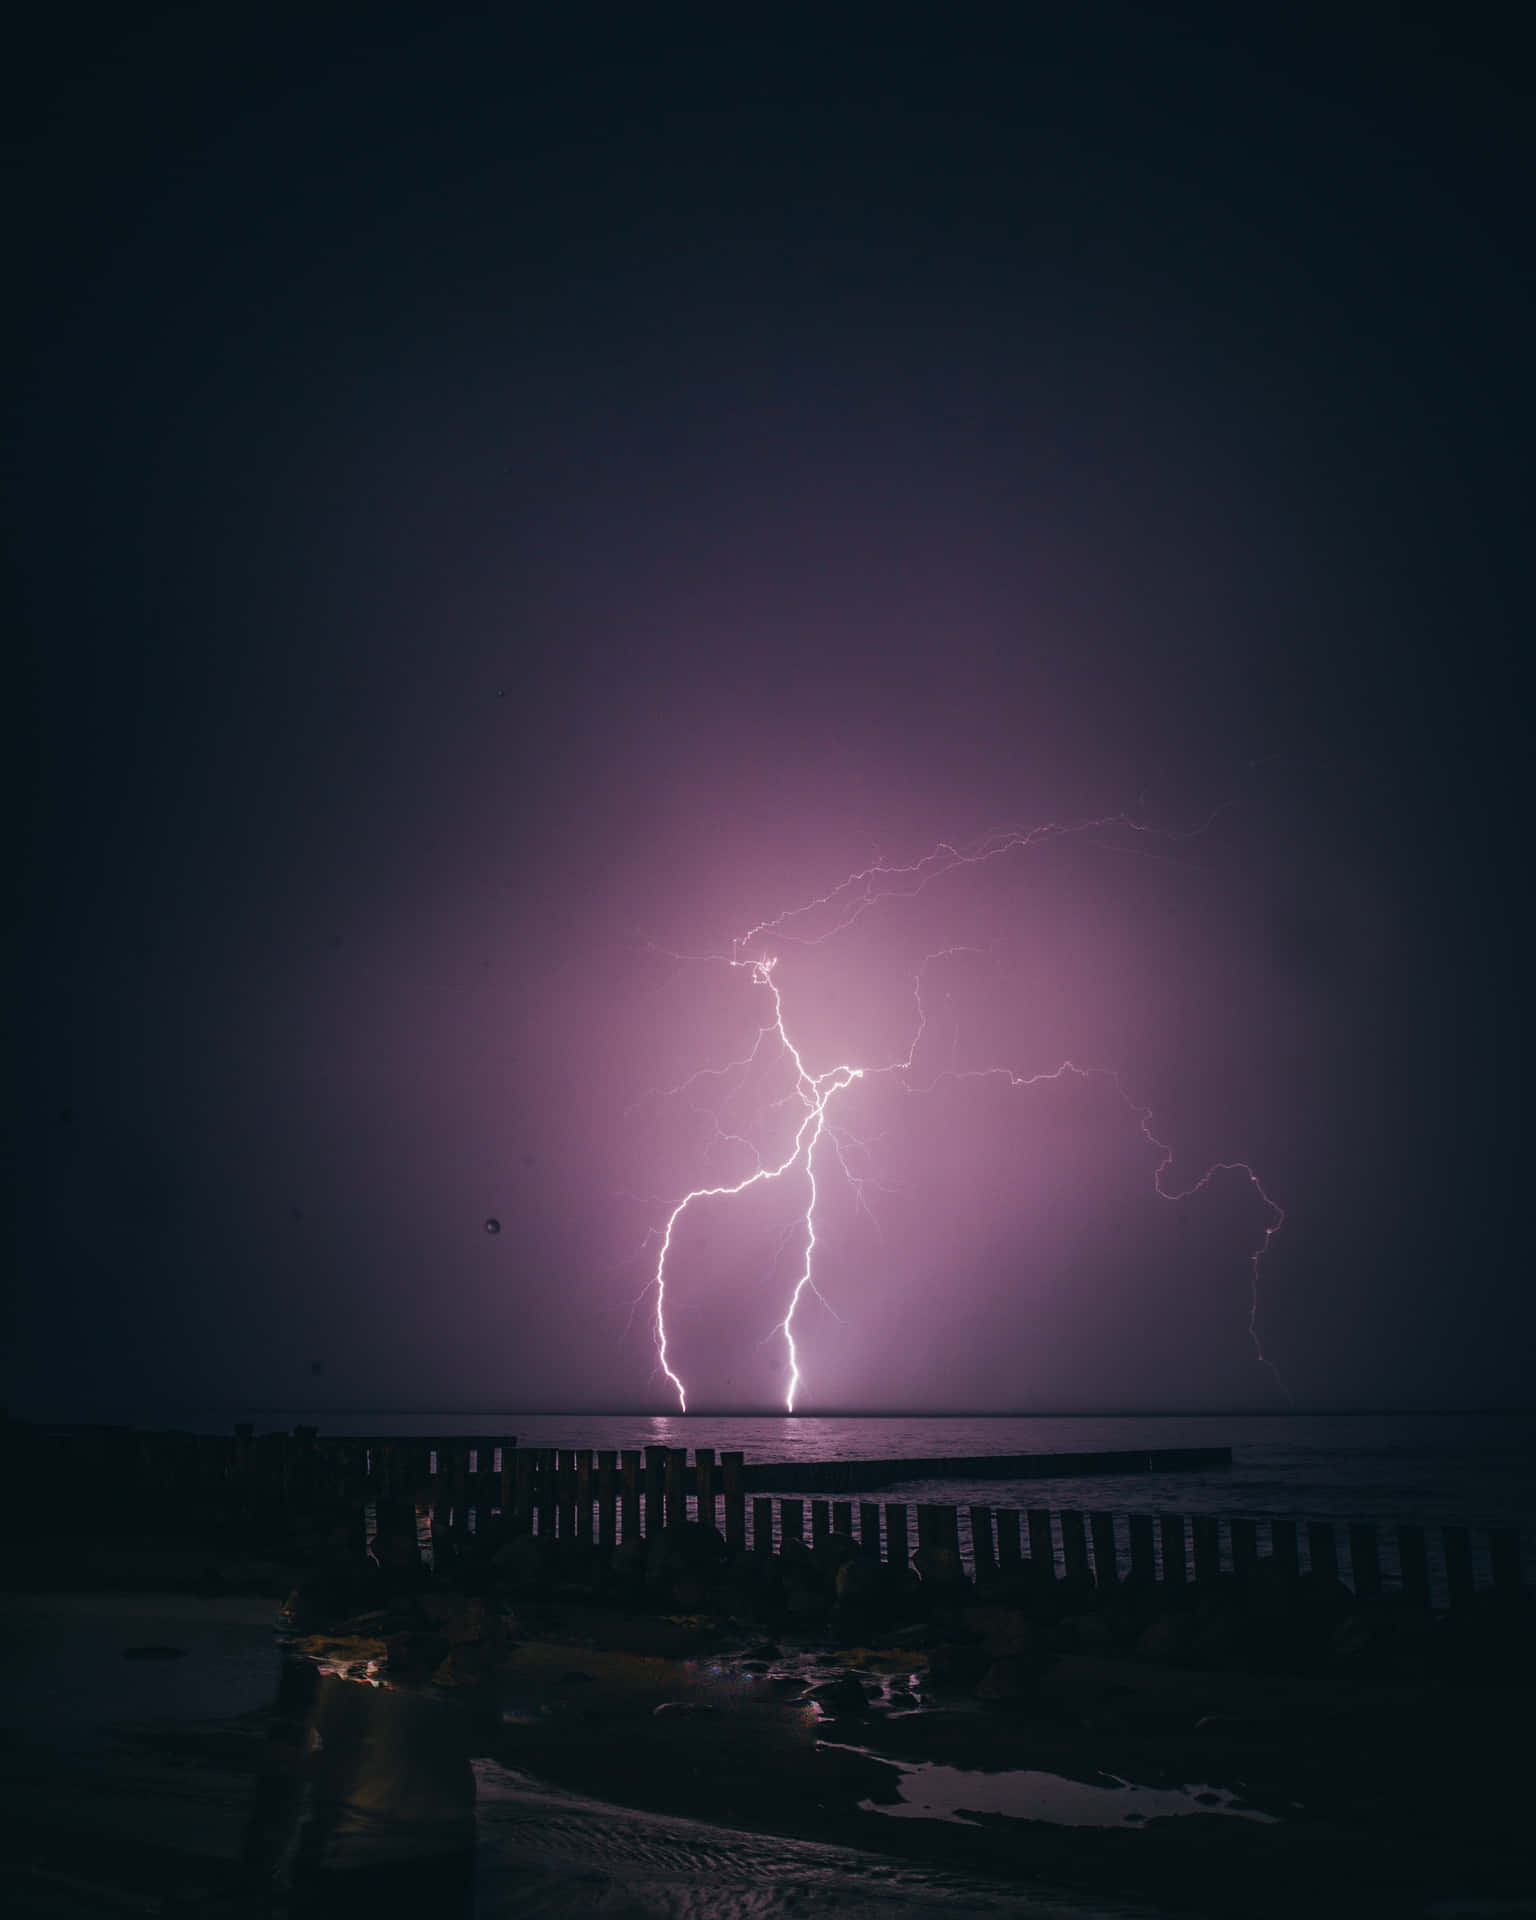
(822, 919)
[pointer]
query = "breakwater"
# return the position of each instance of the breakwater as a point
(457, 1490)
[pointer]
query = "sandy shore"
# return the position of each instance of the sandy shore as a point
(170, 1753)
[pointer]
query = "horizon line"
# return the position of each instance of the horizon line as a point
(883, 1413)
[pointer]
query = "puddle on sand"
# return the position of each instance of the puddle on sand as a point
(549, 1854)
(933, 1792)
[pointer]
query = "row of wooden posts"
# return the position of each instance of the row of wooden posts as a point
(599, 1498)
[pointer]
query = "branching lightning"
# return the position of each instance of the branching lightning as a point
(819, 920)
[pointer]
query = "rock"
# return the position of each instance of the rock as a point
(1171, 1637)
(1001, 1630)
(1090, 1631)
(415, 1653)
(958, 1666)
(803, 1601)
(649, 1635)
(843, 1695)
(940, 1567)
(525, 1563)
(687, 1547)
(465, 1665)
(1028, 1586)
(1076, 1593)
(833, 1551)
(626, 1564)
(860, 1579)
(920, 1634)
(765, 1650)
(1011, 1681)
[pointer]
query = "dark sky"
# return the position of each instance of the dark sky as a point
(496, 507)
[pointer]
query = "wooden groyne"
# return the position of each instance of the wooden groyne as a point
(466, 1486)
(865, 1476)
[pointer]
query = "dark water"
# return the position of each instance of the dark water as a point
(1475, 1469)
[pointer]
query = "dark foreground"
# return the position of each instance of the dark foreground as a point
(531, 1731)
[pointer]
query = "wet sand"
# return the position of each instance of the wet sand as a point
(165, 1753)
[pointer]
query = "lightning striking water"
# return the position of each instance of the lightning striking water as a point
(822, 919)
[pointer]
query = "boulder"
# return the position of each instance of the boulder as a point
(958, 1665)
(1001, 1630)
(803, 1600)
(834, 1551)
(840, 1697)
(860, 1578)
(940, 1569)
(1012, 1681)
(793, 1552)
(1170, 1638)
(525, 1564)
(415, 1653)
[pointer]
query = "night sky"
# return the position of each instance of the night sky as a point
(499, 510)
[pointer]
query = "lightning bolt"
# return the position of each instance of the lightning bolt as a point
(822, 919)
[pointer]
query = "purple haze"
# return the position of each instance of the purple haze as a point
(497, 515)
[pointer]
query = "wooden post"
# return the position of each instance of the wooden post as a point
(1458, 1565)
(1282, 1544)
(584, 1495)
(981, 1542)
(1323, 1548)
(508, 1488)
(733, 1473)
(704, 1480)
(655, 1468)
(762, 1523)
(448, 1505)
(1504, 1551)
(523, 1465)
(869, 1527)
(791, 1521)
(1106, 1566)
(1245, 1548)
(818, 1522)
(1143, 1558)
(1074, 1541)
(544, 1490)
(677, 1483)
(607, 1499)
(629, 1494)
(1415, 1564)
(1205, 1545)
(842, 1517)
(1008, 1555)
(1175, 1563)
(565, 1472)
(1364, 1559)
(896, 1536)
(1041, 1549)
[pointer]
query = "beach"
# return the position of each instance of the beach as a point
(538, 1736)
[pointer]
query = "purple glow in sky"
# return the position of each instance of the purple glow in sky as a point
(786, 1106)
(519, 529)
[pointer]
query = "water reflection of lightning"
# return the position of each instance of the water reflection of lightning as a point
(820, 920)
